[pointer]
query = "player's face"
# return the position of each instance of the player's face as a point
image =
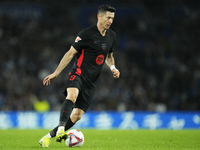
(106, 19)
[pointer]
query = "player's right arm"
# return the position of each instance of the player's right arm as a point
(63, 63)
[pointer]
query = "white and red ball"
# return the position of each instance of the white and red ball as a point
(75, 138)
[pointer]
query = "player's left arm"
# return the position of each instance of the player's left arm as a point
(110, 61)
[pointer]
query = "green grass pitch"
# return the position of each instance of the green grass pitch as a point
(14, 139)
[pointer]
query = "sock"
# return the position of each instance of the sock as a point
(65, 112)
(53, 132)
(68, 126)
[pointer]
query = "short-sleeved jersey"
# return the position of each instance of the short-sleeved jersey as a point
(93, 49)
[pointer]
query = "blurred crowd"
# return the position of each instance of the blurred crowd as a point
(156, 52)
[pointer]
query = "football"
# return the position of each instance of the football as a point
(75, 138)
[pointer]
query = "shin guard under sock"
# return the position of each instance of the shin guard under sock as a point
(65, 112)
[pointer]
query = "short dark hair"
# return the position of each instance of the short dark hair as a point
(105, 8)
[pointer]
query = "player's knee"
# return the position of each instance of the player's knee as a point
(72, 97)
(76, 117)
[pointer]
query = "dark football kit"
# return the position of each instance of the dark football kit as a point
(93, 49)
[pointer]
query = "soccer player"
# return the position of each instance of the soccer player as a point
(93, 46)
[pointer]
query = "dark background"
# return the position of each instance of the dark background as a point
(157, 53)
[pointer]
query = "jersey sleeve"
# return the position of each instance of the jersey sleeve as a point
(80, 41)
(111, 49)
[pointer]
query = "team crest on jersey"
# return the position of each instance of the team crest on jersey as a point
(103, 46)
(77, 39)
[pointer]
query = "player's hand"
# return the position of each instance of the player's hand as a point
(116, 73)
(47, 80)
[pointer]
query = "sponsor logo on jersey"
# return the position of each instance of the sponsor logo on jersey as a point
(103, 46)
(100, 59)
(77, 39)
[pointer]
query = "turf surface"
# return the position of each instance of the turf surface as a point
(14, 139)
